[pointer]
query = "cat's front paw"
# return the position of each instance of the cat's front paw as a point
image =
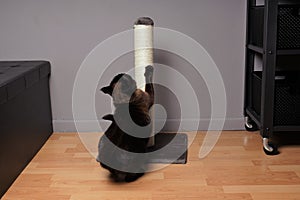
(149, 71)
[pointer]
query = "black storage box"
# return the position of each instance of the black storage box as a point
(288, 26)
(287, 97)
(25, 115)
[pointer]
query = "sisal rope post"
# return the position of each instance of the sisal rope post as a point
(143, 56)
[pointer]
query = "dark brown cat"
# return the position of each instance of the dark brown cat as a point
(132, 111)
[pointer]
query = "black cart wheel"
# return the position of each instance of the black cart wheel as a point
(269, 148)
(250, 125)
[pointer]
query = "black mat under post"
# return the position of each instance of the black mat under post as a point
(172, 150)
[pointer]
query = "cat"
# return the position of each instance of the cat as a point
(125, 95)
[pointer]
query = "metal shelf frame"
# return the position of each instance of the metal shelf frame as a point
(269, 53)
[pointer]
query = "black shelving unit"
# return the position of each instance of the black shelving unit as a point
(272, 93)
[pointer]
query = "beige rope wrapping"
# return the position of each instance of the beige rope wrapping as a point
(143, 53)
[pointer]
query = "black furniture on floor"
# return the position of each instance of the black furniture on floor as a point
(25, 115)
(272, 94)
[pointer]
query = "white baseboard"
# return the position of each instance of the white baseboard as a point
(171, 125)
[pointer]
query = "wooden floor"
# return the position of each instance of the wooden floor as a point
(235, 169)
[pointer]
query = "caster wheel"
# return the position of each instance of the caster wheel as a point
(250, 125)
(269, 148)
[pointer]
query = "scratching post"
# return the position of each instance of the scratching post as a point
(143, 56)
(143, 48)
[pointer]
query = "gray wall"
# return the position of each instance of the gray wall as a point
(65, 31)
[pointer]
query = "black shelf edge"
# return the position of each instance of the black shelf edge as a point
(279, 52)
(288, 52)
(255, 48)
(288, 2)
(280, 3)
(286, 128)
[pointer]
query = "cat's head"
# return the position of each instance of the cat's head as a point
(120, 88)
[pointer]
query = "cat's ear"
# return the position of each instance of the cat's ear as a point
(108, 117)
(107, 90)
